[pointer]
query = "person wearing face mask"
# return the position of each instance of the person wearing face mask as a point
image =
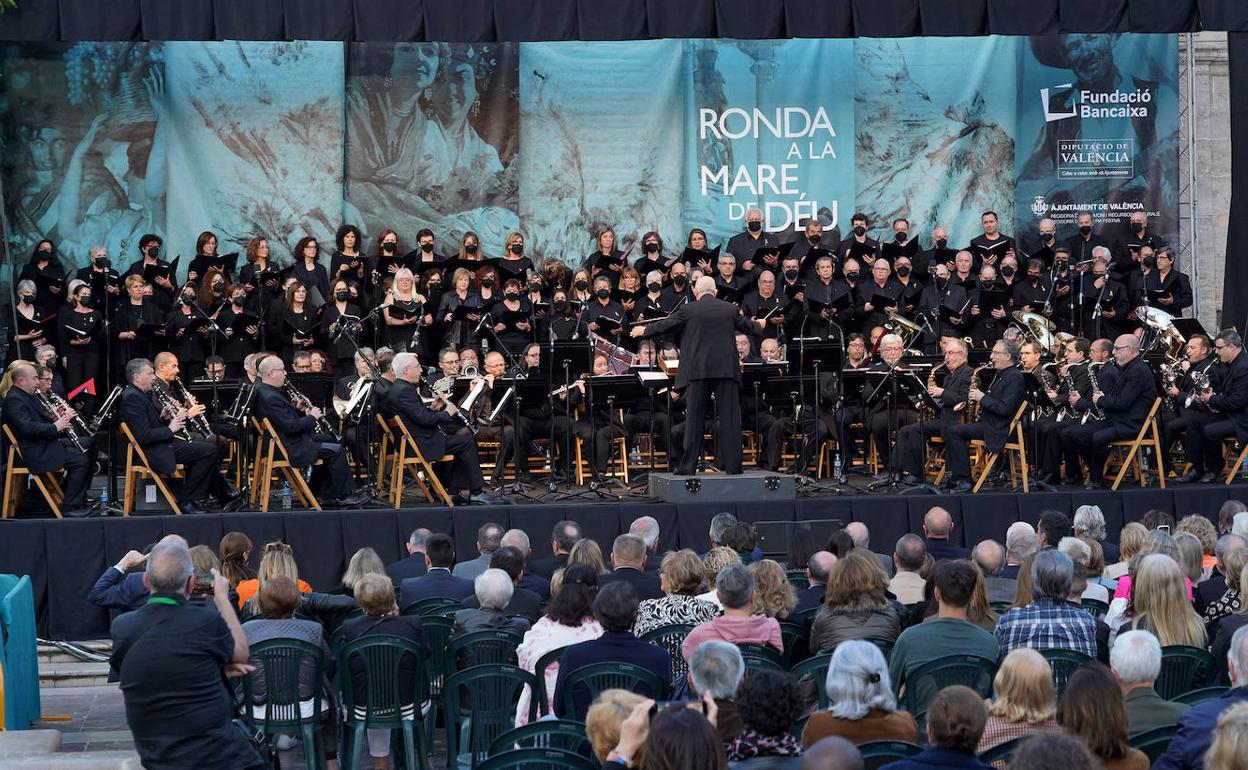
(812, 237)
(154, 271)
(901, 243)
(339, 311)
(991, 246)
(579, 293)
(1047, 232)
(791, 289)
(105, 282)
(604, 316)
(1008, 274)
(911, 286)
(652, 303)
(1163, 286)
(743, 245)
(425, 255)
(1028, 295)
(187, 333)
(1133, 235)
(239, 341)
(859, 245)
(828, 301)
(873, 298)
(1085, 239)
(514, 263)
(513, 318)
(49, 277)
(945, 306)
(30, 332)
(488, 288)
(79, 332)
(562, 323)
(939, 254)
(651, 255)
(678, 290)
(989, 311)
(1110, 295)
(211, 292)
(388, 260)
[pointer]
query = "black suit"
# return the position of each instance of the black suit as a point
(524, 603)
(331, 480)
(42, 449)
(438, 583)
(546, 568)
(1232, 402)
(199, 459)
(708, 364)
(411, 567)
(908, 456)
(996, 411)
(646, 583)
(1125, 404)
(425, 425)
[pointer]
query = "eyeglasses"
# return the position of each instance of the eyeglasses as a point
(1219, 347)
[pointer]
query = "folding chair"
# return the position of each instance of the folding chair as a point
(1233, 470)
(387, 451)
(276, 458)
(257, 463)
(1016, 451)
(620, 443)
(142, 469)
(1135, 447)
(15, 476)
(409, 455)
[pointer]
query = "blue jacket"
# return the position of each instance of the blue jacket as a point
(935, 758)
(1187, 748)
(611, 647)
(436, 583)
(117, 591)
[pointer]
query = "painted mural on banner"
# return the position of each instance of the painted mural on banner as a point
(103, 142)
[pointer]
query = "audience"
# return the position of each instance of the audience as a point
(831, 753)
(1052, 527)
(908, 558)
(363, 562)
(1130, 542)
(1024, 700)
(413, 565)
(235, 553)
(937, 531)
(715, 560)
(1195, 734)
(489, 538)
(1092, 709)
(716, 669)
(587, 551)
(278, 559)
(1020, 542)
(437, 582)
(529, 581)
(605, 717)
(801, 546)
(676, 738)
(523, 603)
(735, 586)
(1226, 628)
(647, 528)
(989, 557)
(1191, 556)
(1220, 595)
(1229, 750)
(1162, 605)
(1047, 750)
(493, 589)
(1081, 554)
(861, 703)
(564, 535)
(860, 536)
(1049, 621)
(1135, 660)
(774, 595)
(769, 704)
(818, 567)
(856, 604)
(1205, 533)
(1089, 524)
(680, 577)
(119, 588)
(628, 562)
(955, 723)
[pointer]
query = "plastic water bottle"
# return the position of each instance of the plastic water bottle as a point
(285, 493)
(104, 495)
(836, 467)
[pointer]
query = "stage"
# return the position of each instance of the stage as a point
(65, 557)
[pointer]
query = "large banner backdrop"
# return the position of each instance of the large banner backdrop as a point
(103, 142)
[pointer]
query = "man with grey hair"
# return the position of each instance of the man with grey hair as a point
(1195, 734)
(937, 532)
(647, 528)
(562, 537)
(1021, 541)
(628, 557)
(735, 587)
(121, 589)
(1135, 660)
(909, 557)
(1089, 522)
(171, 656)
(1050, 621)
(720, 523)
(989, 557)
(1231, 399)
(493, 590)
(996, 413)
(1239, 525)
(414, 565)
(39, 439)
(861, 536)
(519, 539)
(1125, 406)
(818, 569)
(718, 668)
(489, 538)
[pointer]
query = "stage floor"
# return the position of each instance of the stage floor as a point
(64, 558)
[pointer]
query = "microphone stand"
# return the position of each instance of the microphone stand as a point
(891, 419)
(367, 416)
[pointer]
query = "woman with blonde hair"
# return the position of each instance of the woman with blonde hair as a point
(1191, 556)
(1162, 606)
(587, 551)
(1229, 749)
(1024, 702)
(715, 560)
(277, 559)
(1130, 541)
(605, 715)
(363, 562)
(401, 325)
(773, 593)
(459, 332)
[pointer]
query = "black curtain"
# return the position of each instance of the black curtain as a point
(1235, 276)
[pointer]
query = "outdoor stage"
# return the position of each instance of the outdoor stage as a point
(65, 557)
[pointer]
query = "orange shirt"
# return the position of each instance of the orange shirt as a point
(248, 588)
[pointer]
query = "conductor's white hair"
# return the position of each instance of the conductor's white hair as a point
(704, 285)
(402, 362)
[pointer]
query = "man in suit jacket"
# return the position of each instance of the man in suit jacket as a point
(615, 608)
(708, 364)
(817, 571)
(523, 602)
(414, 565)
(938, 534)
(647, 528)
(628, 559)
(425, 425)
(1232, 401)
(564, 535)
(489, 537)
(1136, 661)
(519, 540)
(996, 410)
(1187, 748)
(438, 582)
(331, 481)
(1125, 405)
(907, 459)
(38, 439)
(989, 557)
(199, 459)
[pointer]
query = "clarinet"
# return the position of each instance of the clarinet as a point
(303, 404)
(1094, 412)
(199, 422)
(169, 408)
(54, 413)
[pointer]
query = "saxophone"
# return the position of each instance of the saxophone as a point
(972, 407)
(1066, 411)
(1169, 377)
(1095, 411)
(1047, 375)
(936, 379)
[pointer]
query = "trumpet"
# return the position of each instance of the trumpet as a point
(169, 409)
(199, 422)
(304, 404)
(49, 403)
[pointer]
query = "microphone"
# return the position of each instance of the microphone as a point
(481, 323)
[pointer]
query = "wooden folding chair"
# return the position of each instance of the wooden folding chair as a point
(617, 469)
(409, 455)
(276, 458)
(257, 462)
(1233, 470)
(1016, 451)
(386, 452)
(1135, 448)
(137, 467)
(15, 477)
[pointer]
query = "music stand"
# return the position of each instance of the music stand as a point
(562, 361)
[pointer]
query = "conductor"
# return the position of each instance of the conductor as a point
(708, 364)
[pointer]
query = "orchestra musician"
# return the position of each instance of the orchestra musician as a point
(1231, 402)
(1192, 414)
(39, 439)
(1048, 430)
(885, 416)
(597, 427)
(997, 407)
(949, 389)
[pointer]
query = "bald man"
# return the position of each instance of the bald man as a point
(708, 364)
(39, 439)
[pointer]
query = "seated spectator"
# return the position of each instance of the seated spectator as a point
(735, 586)
(1203, 530)
(203, 561)
(529, 580)
(1080, 553)
(628, 562)
(1221, 645)
(1023, 594)
(937, 534)
(1221, 595)
(1161, 604)
(1043, 751)
(363, 562)
(1021, 541)
(1135, 660)
(235, 553)
(817, 569)
(1092, 709)
(860, 536)
(677, 737)
(563, 537)
(569, 620)
(413, 565)
(949, 633)
(1049, 622)
(680, 577)
(862, 706)
(1130, 541)
(1089, 524)
(908, 557)
(743, 538)
(978, 611)
(375, 594)
(647, 528)
(1229, 749)
(604, 718)
(831, 753)
(989, 558)
(801, 546)
(1096, 566)
(1188, 747)
(1024, 700)
(715, 560)
(1052, 527)
(616, 610)
(524, 603)
(277, 559)
(489, 538)
(1191, 556)
(769, 703)
(955, 722)
(492, 589)
(857, 605)
(121, 589)
(587, 551)
(437, 582)
(716, 669)
(774, 595)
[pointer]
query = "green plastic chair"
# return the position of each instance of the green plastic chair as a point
(886, 645)
(539, 669)
(559, 734)
(432, 606)
(280, 661)
(796, 643)
(1095, 608)
(670, 638)
(437, 631)
(538, 759)
(797, 578)
(876, 754)
(1154, 742)
(381, 657)
(1192, 697)
(480, 705)
(761, 656)
(1000, 607)
(1183, 669)
(597, 677)
(924, 682)
(1063, 664)
(480, 648)
(1001, 751)
(817, 669)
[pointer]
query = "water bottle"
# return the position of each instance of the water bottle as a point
(836, 467)
(104, 496)
(285, 493)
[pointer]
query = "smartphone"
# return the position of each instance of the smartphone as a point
(1163, 528)
(696, 705)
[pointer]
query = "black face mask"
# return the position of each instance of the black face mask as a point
(517, 249)
(471, 248)
(84, 300)
(1150, 262)
(851, 275)
(678, 280)
(388, 247)
(790, 275)
(535, 287)
(188, 298)
(653, 287)
(903, 271)
(1085, 229)
(427, 248)
(153, 252)
(860, 231)
(342, 296)
(901, 237)
(1097, 276)
(511, 295)
(487, 281)
(1033, 277)
(1046, 237)
(754, 227)
(602, 293)
(102, 262)
(435, 287)
(559, 305)
(581, 285)
(942, 243)
(218, 287)
(1007, 271)
(238, 301)
(814, 239)
(651, 248)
